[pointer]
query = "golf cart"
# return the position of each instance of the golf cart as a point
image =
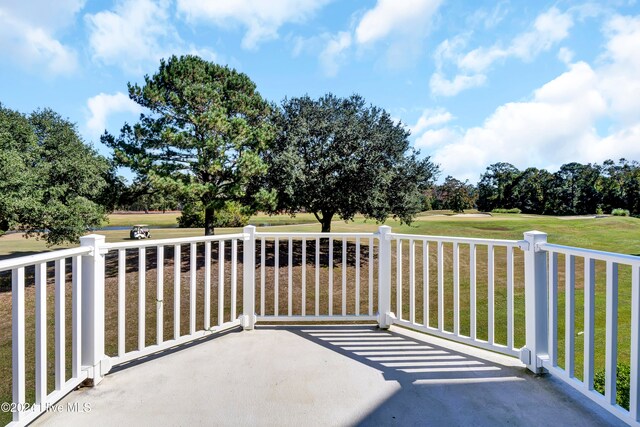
(139, 231)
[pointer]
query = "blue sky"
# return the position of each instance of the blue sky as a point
(531, 83)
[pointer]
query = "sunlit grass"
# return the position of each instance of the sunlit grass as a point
(615, 234)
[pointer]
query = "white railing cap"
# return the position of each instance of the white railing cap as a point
(591, 253)
(176, 241)
(28, 260)
(449, 239)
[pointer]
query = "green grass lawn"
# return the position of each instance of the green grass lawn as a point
(169, 219)
(163, 224)
(156, 219)
(616, 234)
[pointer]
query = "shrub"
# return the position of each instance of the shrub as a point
(506, 211)
(192, 216)
(623, 381)
(599, 211)
(620, 212)
(426, 203)
(233, 214)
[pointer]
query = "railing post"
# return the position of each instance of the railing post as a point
(385, 316)
(249, 278)
(536, 302)
(92, 341)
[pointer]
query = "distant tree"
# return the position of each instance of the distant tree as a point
(429, 201)
(574, 190)
(141, 195)
(203, 137)
(52, 185)
(530, 190)
(495, 189)
(116, 193)
(455, 195)
(339, 157)
(620, 186)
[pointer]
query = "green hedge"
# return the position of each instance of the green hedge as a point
(620, 212)
(623, 382)
(233, 214)
(506, 211)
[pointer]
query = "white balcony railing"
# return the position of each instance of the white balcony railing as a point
(204, 285)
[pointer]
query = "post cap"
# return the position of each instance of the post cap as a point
(535, 232)
(91, 239)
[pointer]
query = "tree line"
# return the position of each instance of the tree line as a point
(209, 138)
(575, 189)
(210, 144)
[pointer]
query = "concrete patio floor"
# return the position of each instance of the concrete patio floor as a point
(326, 375)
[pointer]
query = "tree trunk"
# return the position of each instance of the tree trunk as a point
(326, 222)
(208, 221)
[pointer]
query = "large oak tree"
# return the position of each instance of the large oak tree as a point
(202, 137)
(52, 185)
(341, 157)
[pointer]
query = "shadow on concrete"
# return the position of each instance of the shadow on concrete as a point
(442, 386)
(172, 350)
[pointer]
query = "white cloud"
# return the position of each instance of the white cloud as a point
(104, 105)
(488, 18)
(262, 19)
(133, 34)
(620, 81)
(496, 16)
(559, 124)
(552, 128)
(44, 13)
(548, 29)
(430, 118)
(390, 16)
(400, 27)
(403, 25)
(334, 53)
(28, 34)
(565, 55)
(440, 85)
(436, 137)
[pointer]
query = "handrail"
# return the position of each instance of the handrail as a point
(448, 239)
(590, 253)
(269, 234)
(25, 261)
(176, 241)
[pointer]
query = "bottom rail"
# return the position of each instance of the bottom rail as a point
(502, 349)
(594, 395)
(119, 360)
(34, 411)
(348, 318)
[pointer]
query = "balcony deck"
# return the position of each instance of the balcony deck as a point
(327, 375)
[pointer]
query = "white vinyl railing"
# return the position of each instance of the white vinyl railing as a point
(316, 287)
(212, 250)
(610, 263)
(453, 247)
(132, 299)
(38, 269)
